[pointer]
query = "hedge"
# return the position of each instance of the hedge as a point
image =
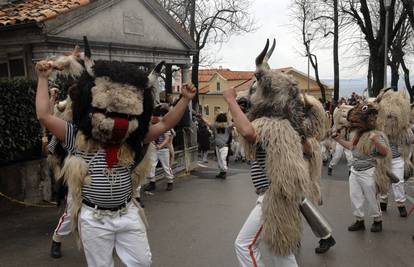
(20, 131)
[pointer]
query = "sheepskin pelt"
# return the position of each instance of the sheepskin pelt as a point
(75, 171)
(277, 95)
(315, 117)
(394, 120)
(314, 166)
(288, 172)
(383, 164)
(340, 122)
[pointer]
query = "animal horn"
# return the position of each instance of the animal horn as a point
(87, 49)
(261, 56)
(159, 66)
(270, 52)
(381, 94)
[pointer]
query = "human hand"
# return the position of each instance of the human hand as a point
(44, 68)
(188, 91)
(230, 95)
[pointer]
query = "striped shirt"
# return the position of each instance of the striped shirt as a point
(364, 162)
(258, 170)
(162, 138)
(108, 188)
(395, 151)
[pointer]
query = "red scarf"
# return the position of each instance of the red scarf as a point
(118, 133)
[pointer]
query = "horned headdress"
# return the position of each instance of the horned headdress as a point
(283, 117)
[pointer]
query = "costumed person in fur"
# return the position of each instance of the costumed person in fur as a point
(109, 142)
(340, 122)
(281, 126)
(371, 164)
(222, 139)
(394, 120)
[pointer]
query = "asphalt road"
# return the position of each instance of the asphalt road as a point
(196, 225)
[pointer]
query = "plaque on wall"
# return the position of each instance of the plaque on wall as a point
(133, 24)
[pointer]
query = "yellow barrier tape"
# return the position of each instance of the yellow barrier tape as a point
(26, 203)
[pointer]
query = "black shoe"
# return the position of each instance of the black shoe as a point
(383, 206)
(376, 227)
(324, 245)
(150, 187)
(403, 211)
(357, 226)
(221, 175)
(55, 250)
(169, 187)
(329, 171)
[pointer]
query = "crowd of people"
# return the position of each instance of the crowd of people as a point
(108, 138)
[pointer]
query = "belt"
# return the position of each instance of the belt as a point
(261, 191)
(91, 205)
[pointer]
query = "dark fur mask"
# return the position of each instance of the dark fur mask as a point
(363, 116)
(119, 91)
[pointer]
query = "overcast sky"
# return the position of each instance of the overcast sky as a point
(274, 21)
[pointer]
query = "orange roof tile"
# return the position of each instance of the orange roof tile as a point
(204, 75)
(36, 10)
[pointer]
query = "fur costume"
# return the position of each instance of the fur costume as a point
(363, 119)
(394, 120)
(283, 118)
(112, 107)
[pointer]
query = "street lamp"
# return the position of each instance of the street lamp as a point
(308, 54)
(387, 4)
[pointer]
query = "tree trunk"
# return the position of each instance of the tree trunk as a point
(395, 76)
(314, 63)
(369, 78)
(336, 53)
(194, 77)
(407, 80)
(377, 67)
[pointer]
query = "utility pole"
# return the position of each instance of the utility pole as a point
(192, 34)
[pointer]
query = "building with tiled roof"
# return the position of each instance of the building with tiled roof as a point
(213, 82)
(137, 31)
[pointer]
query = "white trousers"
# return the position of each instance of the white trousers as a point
(248, 239)
(222, 158)
(64, 225)
(162, 155)
(324, 151)
(397, 168)
(126, 233)
(362, 188)
(339, 150)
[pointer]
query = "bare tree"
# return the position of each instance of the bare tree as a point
(214, 21)
(409, 8)
(370, 16)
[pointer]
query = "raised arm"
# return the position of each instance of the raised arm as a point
(346, 144)
(173, 116)
(241, 122)
(55, 125)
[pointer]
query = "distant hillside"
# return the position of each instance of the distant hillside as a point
(347, 86)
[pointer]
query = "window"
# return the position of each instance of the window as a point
(13, 68)
(206, 110)
(218, 87)
(216, 110)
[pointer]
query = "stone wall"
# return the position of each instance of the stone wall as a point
(26, 181)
